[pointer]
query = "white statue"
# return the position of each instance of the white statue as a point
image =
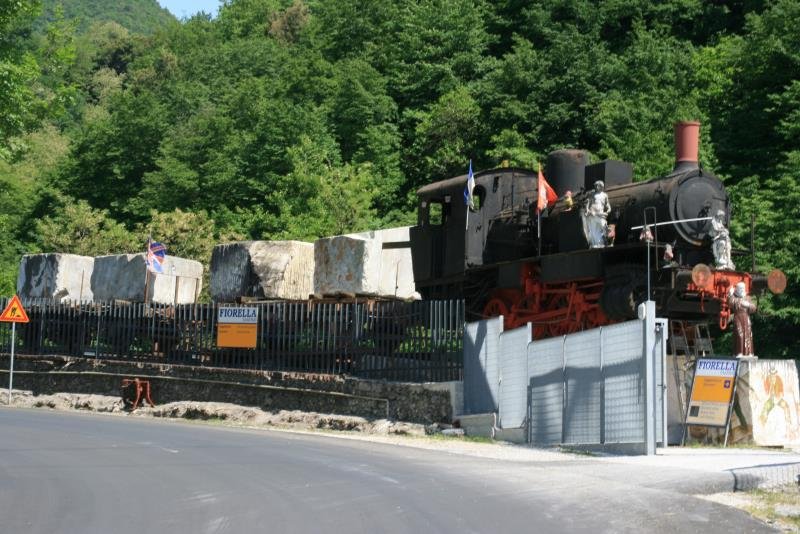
(595, 215)
(721, 246)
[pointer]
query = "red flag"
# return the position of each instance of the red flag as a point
(546, 194)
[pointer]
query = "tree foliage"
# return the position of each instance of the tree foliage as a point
(296, 119)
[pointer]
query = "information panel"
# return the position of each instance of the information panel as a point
(712, 391)
(237, 327)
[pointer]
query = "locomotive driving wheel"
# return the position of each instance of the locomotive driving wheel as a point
(553, 309)
(495, 307)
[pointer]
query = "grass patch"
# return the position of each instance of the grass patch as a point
(471, 439)
(779, 506)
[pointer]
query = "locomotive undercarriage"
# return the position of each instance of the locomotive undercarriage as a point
(556, 307)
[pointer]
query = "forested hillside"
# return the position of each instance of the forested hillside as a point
(300, 119)
(139, 16)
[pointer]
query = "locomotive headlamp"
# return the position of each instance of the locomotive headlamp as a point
(701, 275)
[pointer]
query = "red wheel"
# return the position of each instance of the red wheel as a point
(495, 307)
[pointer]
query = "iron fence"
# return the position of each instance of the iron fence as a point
(408, 341)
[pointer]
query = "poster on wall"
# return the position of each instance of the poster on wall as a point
(712, 391)
(770, 401)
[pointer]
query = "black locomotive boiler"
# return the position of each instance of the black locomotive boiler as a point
(505, 258)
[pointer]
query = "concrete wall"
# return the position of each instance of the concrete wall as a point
(262, 269)
(122, 277)
(273, 391)
(61, 277)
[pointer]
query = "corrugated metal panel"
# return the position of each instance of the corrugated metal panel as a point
(481, 366)
(661, 379)
(584, 389)
(582, 412)
(624, 382)
(546, 368)
(514, 377)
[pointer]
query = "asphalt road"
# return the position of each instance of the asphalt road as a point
(75, 473)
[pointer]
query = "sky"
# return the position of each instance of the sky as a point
(187, 8)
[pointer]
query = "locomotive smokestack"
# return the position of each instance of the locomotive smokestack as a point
(687, 145)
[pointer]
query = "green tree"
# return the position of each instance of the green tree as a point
(18, 70)
(77, 228)
(445, 136)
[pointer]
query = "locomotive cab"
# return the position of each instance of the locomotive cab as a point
(451, 237)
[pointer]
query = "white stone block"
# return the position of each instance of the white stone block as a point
(262, 269)
(374, 263)
(123, 276)
(61, 277)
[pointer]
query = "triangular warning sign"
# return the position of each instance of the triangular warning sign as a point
(14, 312)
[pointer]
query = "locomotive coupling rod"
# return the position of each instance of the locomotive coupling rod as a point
(671, 222)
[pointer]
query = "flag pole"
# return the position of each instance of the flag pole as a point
(538, 210)
(146, 268)
(468, 202)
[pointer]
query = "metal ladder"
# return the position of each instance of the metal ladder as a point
(692, 340)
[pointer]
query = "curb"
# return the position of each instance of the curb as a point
(766, 476)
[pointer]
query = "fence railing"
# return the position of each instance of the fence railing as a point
(409, 341)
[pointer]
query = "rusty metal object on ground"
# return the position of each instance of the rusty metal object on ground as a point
(135, 391)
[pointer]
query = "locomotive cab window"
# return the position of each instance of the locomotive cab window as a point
(478, 197)
(436, 213)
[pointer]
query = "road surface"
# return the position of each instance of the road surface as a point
(63, 472)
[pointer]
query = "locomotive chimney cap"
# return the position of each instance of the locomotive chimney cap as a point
(687, 145)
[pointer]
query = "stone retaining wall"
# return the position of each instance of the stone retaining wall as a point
(268, 390)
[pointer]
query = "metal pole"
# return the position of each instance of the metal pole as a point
(664, 334)
(648, 269)
(733, 402)
(539, 228)
(753, 241)
(11, 368)
(97, 339)
(649, 378)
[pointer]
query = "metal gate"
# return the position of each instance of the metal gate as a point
(602, 388)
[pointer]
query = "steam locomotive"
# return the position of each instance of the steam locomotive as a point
(507, 258)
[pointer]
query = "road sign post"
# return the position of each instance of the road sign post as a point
(13, 313)
(11, 366)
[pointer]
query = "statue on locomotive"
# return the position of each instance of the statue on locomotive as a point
(595, 216)
(548, 270)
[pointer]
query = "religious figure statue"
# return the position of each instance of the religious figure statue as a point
(721, 246)
(595, 215)
(741, 307)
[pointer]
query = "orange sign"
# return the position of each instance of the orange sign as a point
(237, 327)
(14, 312)
(712, 392)
(240, 336)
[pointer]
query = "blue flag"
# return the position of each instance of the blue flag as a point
(469, 187)
(156, 252)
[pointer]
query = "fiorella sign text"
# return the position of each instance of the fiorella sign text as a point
(247, 315)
